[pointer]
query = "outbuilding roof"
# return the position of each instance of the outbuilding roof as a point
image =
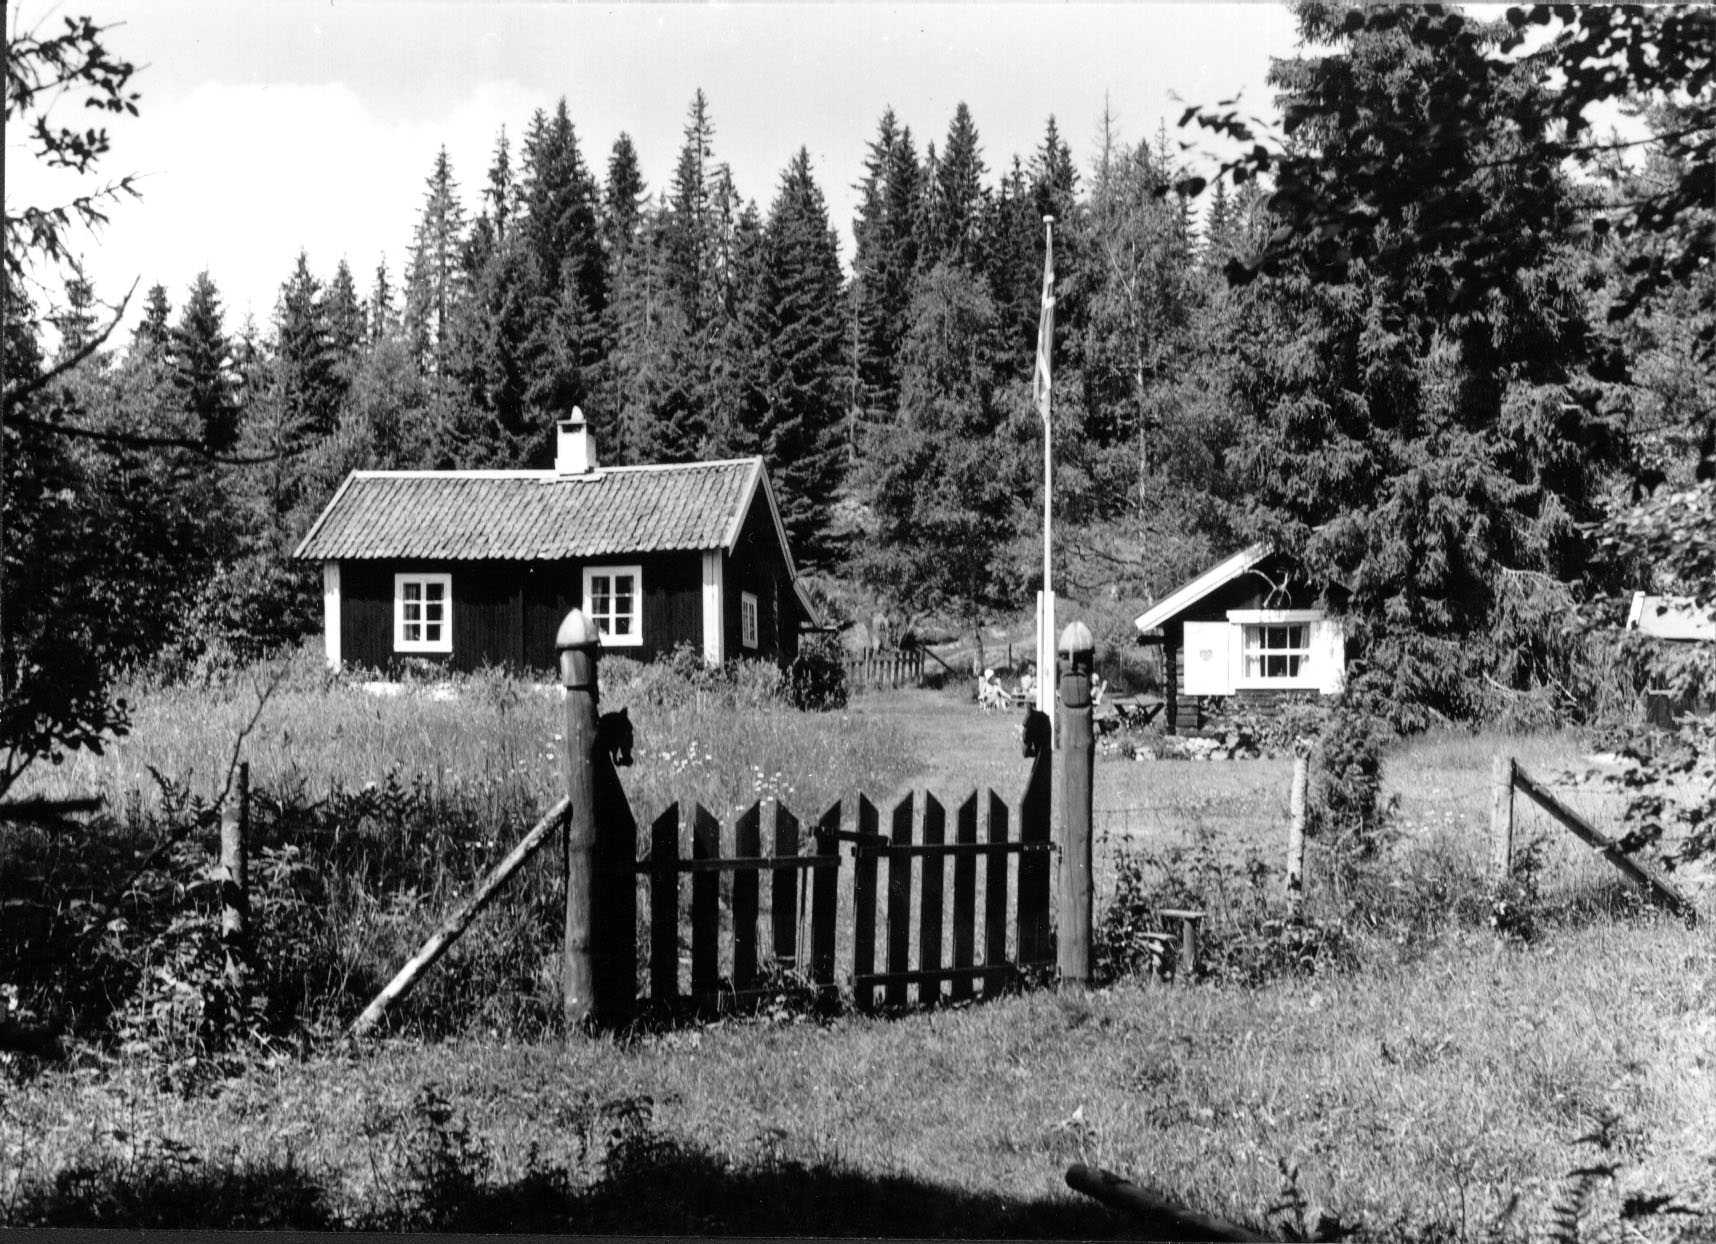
(538, 515)
(1671, 617)
(1186, 595)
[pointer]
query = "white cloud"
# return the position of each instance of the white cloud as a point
(237, 178)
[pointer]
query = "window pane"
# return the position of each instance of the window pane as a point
(413, 591)
(413, 632)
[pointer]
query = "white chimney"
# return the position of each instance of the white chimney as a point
(574, 454)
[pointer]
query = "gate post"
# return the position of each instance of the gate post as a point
(1078, 759)
(1501, 818)
(1296, 827)
(235, 883)
(578, 643)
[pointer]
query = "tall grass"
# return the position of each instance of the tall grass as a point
(374, 811)
(1441, 1100)
(488, 735)
(1389, 1059)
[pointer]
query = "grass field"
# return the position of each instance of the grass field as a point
(1432, 1084)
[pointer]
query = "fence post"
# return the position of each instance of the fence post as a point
(1501, 819)
(578, 643)
(235, 882)
(1078, 759)
(1296, 828)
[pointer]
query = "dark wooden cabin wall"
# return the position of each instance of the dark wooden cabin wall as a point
(508, 613)
(759, 566)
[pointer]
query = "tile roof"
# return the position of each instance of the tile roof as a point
(534, 515)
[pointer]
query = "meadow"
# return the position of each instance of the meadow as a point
(1391, 1066)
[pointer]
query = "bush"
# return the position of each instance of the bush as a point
(1242, 941)
(1345, 808)
(817, 679)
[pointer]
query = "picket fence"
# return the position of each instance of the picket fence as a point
(885, 671)
(820, 919)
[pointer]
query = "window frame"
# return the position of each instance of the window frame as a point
(1257, 623)
(749, 615)
(423, 578)
(616, 571)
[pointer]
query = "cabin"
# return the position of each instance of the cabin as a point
(1244, 628)
(1671, 617)
(1675, 620)
(471, 568)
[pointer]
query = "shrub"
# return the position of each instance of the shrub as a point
(1345, 808)
(1242, 940)
(817, 679)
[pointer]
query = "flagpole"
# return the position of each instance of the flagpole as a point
(1046, 619)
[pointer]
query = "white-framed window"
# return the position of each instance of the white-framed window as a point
(422, 612)
(1276, 647)
(748, 619)
(613, 597)
(1275, 652)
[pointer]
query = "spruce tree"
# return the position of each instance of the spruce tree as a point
(76, 321)
(1434, 448)
(691, 235)
(154, 328)
(885, 260)
(559, 199)
(200, 358)
(957, 203)
(435, 276)
(622, 200)
(800, 353)
(383, 319)
(940, 484)
(499, 195)
(644, 386)
(347, 330)
(306, 359)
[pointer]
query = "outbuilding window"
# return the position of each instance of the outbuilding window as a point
(748, 619)
(423, 613)
(613, 597)
(1275, 653)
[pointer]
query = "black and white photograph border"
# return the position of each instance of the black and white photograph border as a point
(953, 620)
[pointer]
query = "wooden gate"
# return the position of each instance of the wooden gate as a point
(760, 920)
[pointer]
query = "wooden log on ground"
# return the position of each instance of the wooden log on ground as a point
(1162, 1218)
(34, 1040)
(37, 810)
(456, 923)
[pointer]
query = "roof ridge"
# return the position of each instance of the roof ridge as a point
(550, 474)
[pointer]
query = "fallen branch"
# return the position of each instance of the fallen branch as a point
(1162, 1218)
(25, 1039)
(47, 811)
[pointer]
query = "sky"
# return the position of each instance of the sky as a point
(267, 127)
